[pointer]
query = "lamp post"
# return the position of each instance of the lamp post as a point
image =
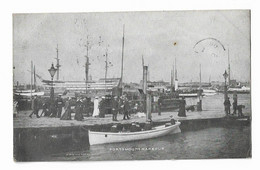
(225, 75)
(52, 72)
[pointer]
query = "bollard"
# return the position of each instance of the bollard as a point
(199, 103)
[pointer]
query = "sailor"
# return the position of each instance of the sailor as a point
(114, 108)
(227, 106)
(59, 104)
(79, 109)
(35, 107)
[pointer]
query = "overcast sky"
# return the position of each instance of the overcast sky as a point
(159, 36)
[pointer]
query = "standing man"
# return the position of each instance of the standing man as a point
(45, 108)
(227, 106)
(126, 109)
(79, 109)
(114, 108)
(159, 106)
(182, 111)
(59, 105)
(235, 103)
(35, 107)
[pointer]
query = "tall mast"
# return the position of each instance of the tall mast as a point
(200, 76)
(173, 72)
(176, 78)
(143, 71)
(228, 69)
(58, 63)
(31, 79)
(148, 73)
(34, 78)
(87, 66)
(171, 79)
(122, 63)
(106, 66)
(86, 71)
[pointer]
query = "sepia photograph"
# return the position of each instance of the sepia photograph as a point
(150, 85)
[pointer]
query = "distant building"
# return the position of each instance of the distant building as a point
(194, 84)
(233, 83)
(155, 83)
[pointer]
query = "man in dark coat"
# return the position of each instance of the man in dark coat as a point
(79, 109)
(239, 109)
(114, 108)
(35, 107)
(227, 106)
(45, 107)
(126, 109)
(159, 106)
(59, 104)
(182, 111)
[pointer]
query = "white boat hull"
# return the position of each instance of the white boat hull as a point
(209, 94)
(30, 94)
(96, 138)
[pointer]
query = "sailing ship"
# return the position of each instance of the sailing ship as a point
(28, 93)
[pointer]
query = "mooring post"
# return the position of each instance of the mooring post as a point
(145, 72)
(148, 107)
(199, 103)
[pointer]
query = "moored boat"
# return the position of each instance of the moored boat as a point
(96, 138)
(41, 93)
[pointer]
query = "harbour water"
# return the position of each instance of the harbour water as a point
(215, 142)
(208, 143)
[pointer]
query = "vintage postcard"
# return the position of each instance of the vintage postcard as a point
(132, 85)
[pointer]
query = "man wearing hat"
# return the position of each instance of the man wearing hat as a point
(227, 106)
(59, 104)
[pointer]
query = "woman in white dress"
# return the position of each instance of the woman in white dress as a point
(96, 109)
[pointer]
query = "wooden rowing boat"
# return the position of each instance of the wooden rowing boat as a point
(116, 137)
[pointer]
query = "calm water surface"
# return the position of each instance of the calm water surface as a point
(215, 142)
(211, 142)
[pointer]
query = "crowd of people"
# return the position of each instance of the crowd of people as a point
(237, 109)
(84, 107)
(79, 105)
